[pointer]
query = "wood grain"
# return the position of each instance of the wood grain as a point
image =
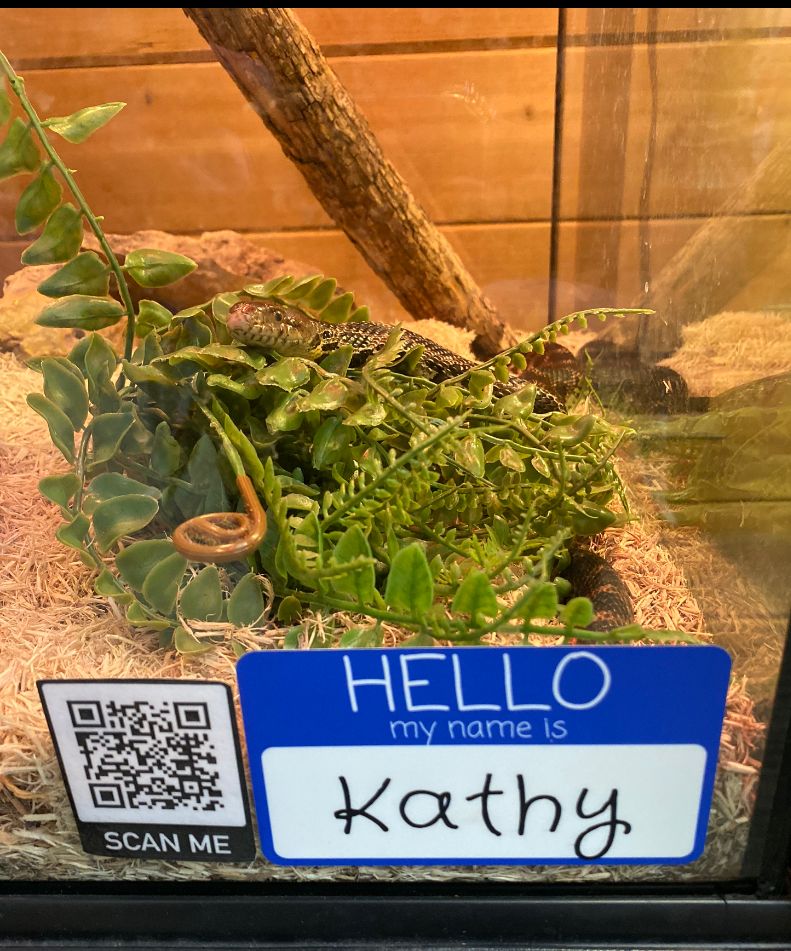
(57, 36)
(622, 25)
(722, 107)
(471, 134)
(51, 36)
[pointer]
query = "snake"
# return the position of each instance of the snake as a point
(290, 332)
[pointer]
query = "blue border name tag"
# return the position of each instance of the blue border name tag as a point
(484, 755)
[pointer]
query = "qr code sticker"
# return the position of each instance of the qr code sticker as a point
(147, 751)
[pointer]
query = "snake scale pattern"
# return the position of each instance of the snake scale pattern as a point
(290, 332)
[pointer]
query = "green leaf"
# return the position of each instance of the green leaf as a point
(74, 533)
(590, 519)
(61, 431)
(60, 240)
(207, 492)
(481, 384)
(358, 637)
(290, 609)
(359, 582)
(100, 362)
(369, 414)
(246, 604)
(86, 274)
(291, 640)
(120, 516)
(78, 352)
(410, 586)
(339, 310)
(577, 613)
(250, 391)
(162, 583)
(450, 396)
(201, 599)
(213, 356)
(287, 373)
(138, 616)
(165, 639)
(79, 125)
(151, 268)
(107, 434)
(303, 288)
(469, 454)
(253, 465)
(59, 489)
(78, 310)
(108, 485)
(5, 106)
(18, 153)
(37, 202)
(329, 394)
(138, 559)
(222, 303)
(186, 643)
(286, 415)
(165, 452)
(329, 442)
(540, 602)
(511, 459)
(476, 597)
(146, 374)
(110, 587)
(151, 315)
(323, 294)
(338, 361)
(268, 290)
(65, 390)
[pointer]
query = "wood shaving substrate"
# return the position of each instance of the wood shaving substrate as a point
(53, 626)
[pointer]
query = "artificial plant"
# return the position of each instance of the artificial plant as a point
(431, 506)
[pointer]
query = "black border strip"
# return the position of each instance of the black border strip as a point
(354, 914)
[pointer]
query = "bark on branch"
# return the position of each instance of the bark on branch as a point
(281, 71)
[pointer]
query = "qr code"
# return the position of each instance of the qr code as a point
(146, 751)
(145, 755)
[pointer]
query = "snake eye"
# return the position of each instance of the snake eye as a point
(278, 315)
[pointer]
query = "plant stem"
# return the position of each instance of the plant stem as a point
(17, 83)
(399, 463)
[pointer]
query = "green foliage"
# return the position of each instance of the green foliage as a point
(428, 505)
(86, 274)
(38, 201)
(60, 240)
(79, 125)
(151, 268)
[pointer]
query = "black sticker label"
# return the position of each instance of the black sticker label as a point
(153, 768)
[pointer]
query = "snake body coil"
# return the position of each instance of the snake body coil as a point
(292, 333)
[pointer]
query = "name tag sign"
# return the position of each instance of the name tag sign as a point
(484, 755)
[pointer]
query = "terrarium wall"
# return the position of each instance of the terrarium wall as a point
(465, 108)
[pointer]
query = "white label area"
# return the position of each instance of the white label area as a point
(475, 802)
(147, 752)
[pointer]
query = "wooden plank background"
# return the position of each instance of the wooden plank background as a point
(463, 102)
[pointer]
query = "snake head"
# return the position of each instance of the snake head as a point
(275, 326)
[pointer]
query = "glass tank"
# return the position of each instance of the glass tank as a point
(329, 331)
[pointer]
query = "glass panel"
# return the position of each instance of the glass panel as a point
(570, 160)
